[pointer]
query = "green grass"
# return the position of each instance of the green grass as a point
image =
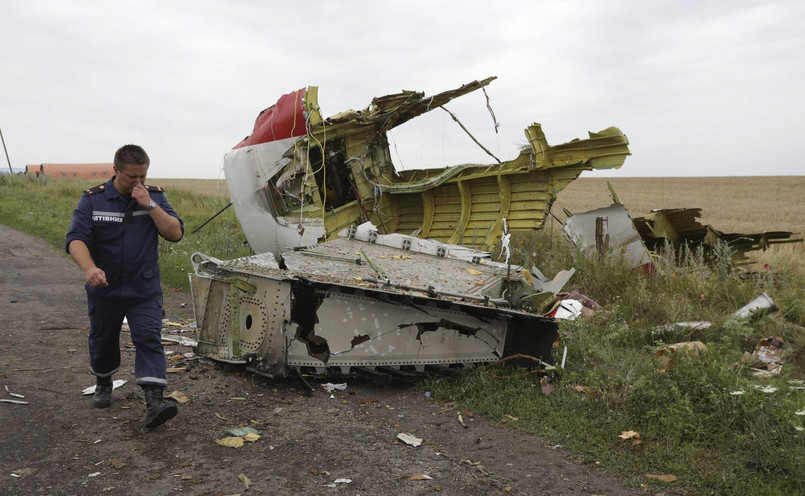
(690, 423)
(43, 207)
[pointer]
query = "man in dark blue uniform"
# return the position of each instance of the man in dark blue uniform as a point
(114, 239)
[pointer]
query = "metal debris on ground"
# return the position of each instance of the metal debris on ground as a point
(408, 321)
(680, 227)
(567, 310)
(330, 387)
(409, 439)
(180, 340)
(761, 304)
(608, 230)
(14, 395)
(768, 357)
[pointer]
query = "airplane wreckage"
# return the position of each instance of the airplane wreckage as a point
(363, 267)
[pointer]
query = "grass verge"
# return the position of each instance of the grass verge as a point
(708, 420)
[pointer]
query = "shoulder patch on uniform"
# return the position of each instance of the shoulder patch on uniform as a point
(95, 189)
(156, 189)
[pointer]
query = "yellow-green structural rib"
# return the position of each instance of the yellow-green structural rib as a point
(349, 177)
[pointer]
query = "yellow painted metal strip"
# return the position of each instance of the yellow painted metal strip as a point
(465, 194)
(504, 186)
(427, 213)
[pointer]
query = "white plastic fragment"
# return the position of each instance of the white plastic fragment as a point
(22, 473)
(15, 395)
(409, 439)
(330, 387)
(16, 402)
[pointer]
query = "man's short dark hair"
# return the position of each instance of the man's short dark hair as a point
(131, 155)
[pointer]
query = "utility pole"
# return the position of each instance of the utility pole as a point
(5, 150)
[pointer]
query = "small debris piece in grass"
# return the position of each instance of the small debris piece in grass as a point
(461, 421)
(547, 389)
(22, 473)
(330, 387)
(178, 397)
(420, 477)
(243, 431)
(667, 354)
(251, 437)
(245, 480)
(230, 442)
(220, 416)
(174, 370)
(16, 402)
(118, 464)
(634, 436)
(409, 439)
(662, 477)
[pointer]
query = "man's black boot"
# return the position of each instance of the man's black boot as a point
(103, 392)
(158, 411)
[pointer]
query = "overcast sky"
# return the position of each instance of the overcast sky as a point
(701, 88)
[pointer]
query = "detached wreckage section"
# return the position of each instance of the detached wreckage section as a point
(613, 229)
(300, 179)
(364, 301)
(336, 286)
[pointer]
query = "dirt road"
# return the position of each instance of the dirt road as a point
(344, 443)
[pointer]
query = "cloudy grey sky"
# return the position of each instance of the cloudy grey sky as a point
(701, 88)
